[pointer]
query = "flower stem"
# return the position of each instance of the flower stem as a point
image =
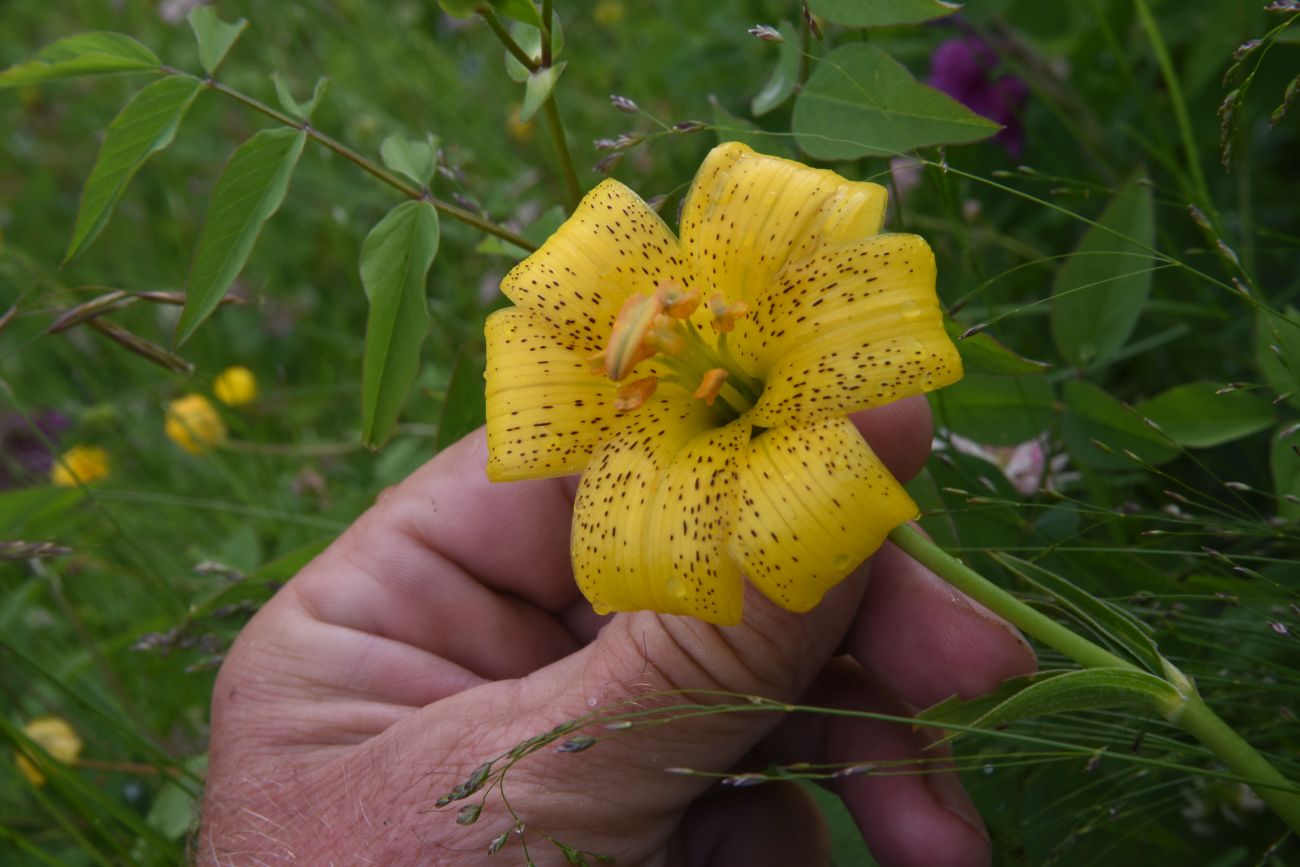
(1192, 714)
(370, 167)
(571, 184)
(572, 187)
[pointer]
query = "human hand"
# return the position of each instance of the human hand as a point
(444, 627)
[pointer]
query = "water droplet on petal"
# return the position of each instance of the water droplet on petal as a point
(677, 588)
(787, 477)
(601, 608)
(909, 310)
(841, 561)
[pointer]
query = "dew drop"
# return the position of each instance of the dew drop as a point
(909, 310)
(841, 561)
(787, 477)
(601, 608)
(677, 588)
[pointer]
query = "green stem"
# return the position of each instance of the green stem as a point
(562, 151)
(371, 168)
(1200, 190)
(1192, 714)
(558, 139)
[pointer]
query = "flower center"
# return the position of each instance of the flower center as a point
(659, 326)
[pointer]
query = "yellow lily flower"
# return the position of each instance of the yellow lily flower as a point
(703, 382)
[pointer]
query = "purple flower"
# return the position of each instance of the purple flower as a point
(25, 454)
(963, 69)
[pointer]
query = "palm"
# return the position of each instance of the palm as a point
(444, 628)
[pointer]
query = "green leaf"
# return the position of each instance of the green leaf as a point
(1285, 462)
(538, 90)
(881, 13)
(1057, 692)
(996, 410)
(1109, 622)
(464, 408)
(251, 188)
(529, 39)
(20, 507)
(94, 53)
(215, 37)
(145, 126)
(520, 10)
(1092, 414)
(176, 805)
(784, 78)
(411, 157)
(301, 110)
(1100, 291)
(859, 101)
(395, 260)
(1197, 416)
(1277, 351)
(983, 353)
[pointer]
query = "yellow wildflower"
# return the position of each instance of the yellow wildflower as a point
(235, 386)
(80, 465)
(194, 424)
(703, 383)
(57, 737)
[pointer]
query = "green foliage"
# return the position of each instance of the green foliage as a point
(881, 13)
(251, 188)
(1100, 291)
(995, 409)
(83, 54)
(395, 260)
(860, 101)
(1202, 415)
(145, 126)
(215, 37)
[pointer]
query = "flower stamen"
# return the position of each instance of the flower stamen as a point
(711, 385)
(724, 314)
(635, 393)
(628, 346)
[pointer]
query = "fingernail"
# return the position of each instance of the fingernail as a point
(947, 789)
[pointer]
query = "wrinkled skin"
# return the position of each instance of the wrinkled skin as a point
(444, 627)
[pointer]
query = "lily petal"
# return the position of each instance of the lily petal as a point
(747, 215)
(613, 246)
(653, 512)
(815, 502)
(851, 327)
(547, 407)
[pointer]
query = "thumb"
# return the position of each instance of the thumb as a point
(617, 793)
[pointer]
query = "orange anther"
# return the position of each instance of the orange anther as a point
(676, 303)
(710, 385)
(627, 339)
(724, 314)
(635, 393)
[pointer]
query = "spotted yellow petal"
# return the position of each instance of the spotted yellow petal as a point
(815, 502)
(653, 513)
(547, 406)
(853, 326)
(747, 215)
(613, 246)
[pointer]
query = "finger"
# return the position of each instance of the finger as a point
(899, 433)
(912, 812)
(776, 823)
(454, 566)
(925, 641)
